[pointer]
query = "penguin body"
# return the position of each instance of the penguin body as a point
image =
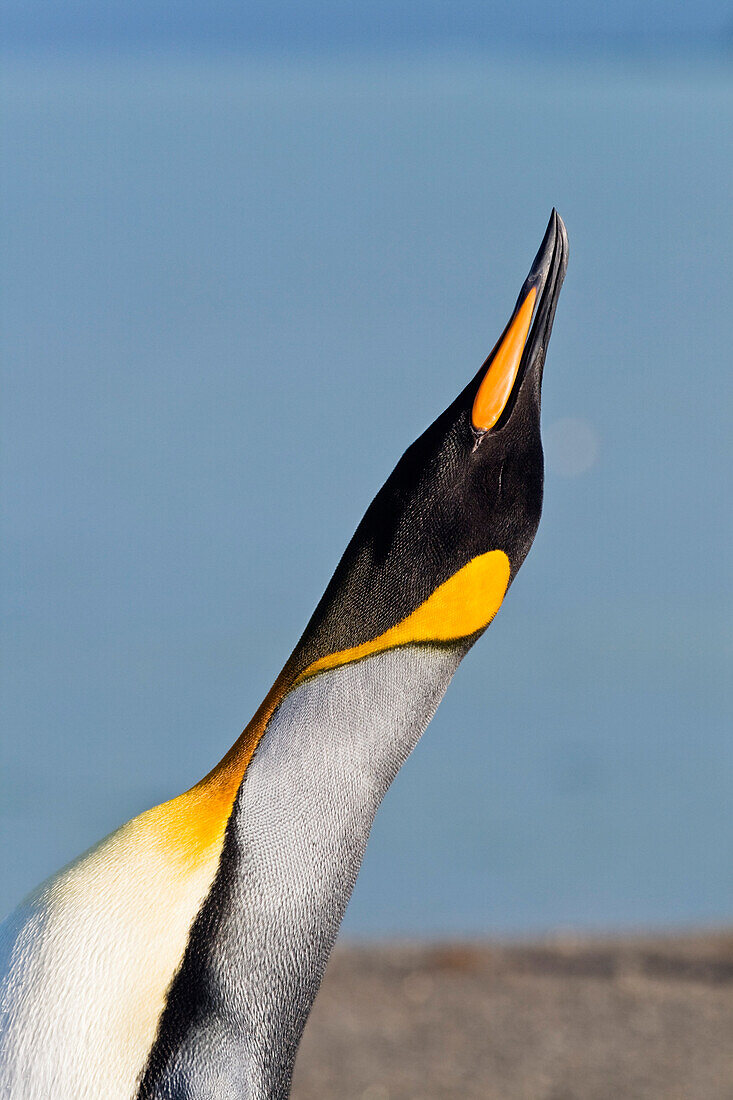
(180, 957)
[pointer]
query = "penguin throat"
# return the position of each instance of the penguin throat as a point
(291, 855)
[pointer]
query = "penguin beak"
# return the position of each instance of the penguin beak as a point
(524, 341)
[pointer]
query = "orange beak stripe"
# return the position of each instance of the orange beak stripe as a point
(493, 393)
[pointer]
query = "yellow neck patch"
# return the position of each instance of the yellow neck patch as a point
(194, 822)
(462, 605)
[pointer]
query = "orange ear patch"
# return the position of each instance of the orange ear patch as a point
(458, 608)
(493, 393)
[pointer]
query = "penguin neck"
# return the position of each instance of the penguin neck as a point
(291, 855)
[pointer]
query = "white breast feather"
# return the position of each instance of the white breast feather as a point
(85, 963)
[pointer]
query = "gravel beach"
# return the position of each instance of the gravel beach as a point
(560, 1019)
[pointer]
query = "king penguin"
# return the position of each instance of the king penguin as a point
(180, 957)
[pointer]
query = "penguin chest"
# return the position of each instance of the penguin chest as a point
(85, 964)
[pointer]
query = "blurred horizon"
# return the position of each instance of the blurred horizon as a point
(322, 25)
(335, 227)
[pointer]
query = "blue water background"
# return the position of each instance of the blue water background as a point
(234, 290)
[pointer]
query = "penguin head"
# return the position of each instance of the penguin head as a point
(476, 475)
(445, 536)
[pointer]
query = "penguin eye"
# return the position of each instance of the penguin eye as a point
(497, 383)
